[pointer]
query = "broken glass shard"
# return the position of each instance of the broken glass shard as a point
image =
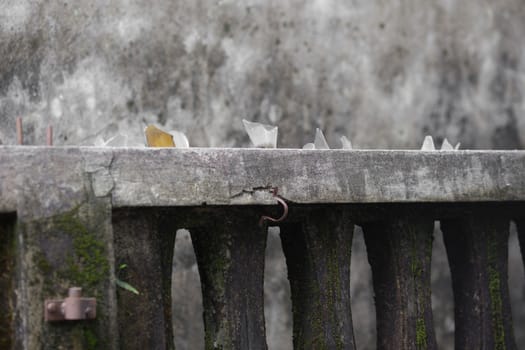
(346, 143)
(261, 135)
(446, 146)
(309, 146)
(180, 139)
(100, 142)
(118, 140)
(156, 137)
(320, 141)
(428, 144)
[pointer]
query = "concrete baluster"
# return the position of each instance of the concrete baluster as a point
(399, 251)
(318, 255)
(144, 242)
(230, 248)
(8, 254)
(477, 249)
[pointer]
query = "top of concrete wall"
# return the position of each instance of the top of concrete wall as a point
(46, 176)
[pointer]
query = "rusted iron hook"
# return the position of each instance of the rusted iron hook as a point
(283, 203)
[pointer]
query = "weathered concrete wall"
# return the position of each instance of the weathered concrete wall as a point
(382, 73)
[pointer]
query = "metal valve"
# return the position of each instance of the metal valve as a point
(72, 308)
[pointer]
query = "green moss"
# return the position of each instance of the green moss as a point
(317, 340)
(42, 263)
(421, 253)
(417, 262)
(91, 340)
(334, 290)
(325, 253)
(495, 291)
(421, 334)
(81, 335)
(214, 260)
(88, 266)
(82, 262)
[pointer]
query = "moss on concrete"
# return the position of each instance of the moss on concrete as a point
(421, 334)
(88, 266)
(334, 287)
(66, 250)
(495, 291)
(214, 259)
(7, 265)
(90, 339)
(421, 253)
(42, 263)
(318, 257)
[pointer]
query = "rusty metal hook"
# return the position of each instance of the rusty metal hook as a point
(282, 202)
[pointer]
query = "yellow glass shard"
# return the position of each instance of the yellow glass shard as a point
(158, 138)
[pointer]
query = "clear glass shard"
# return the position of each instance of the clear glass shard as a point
(320, 141)
(446, 146)
(180, 139)
(428, 144)
(118, 140)
(346, 143)
(309, 146)
(100, 142)
(261, 135)
(457, 146)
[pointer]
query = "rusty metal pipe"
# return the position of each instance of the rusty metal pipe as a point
(19, 131)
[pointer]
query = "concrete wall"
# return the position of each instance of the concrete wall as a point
(383, 73)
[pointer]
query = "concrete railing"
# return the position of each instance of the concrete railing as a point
(72, 216)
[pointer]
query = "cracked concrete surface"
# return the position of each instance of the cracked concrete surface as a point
(187, 177)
